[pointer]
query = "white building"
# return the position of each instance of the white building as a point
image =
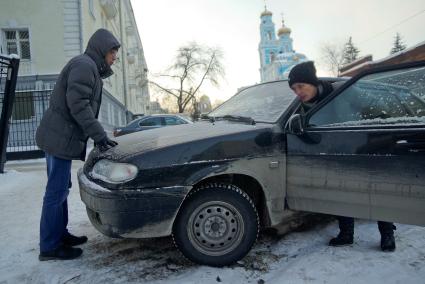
(46, 34)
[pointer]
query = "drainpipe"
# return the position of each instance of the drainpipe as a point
(123, 56)
(80, 14)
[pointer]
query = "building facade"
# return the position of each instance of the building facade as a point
(277, 55)
(46, 34)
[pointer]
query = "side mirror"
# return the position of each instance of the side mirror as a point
(204, 116)
(295, 125)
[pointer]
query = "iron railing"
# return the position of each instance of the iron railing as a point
(9, 66)
(31, 102)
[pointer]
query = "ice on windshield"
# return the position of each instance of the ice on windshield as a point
(263, 103)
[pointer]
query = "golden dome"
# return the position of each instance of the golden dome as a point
(266, 13)
(283, 30)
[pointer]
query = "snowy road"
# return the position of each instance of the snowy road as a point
(299, 257)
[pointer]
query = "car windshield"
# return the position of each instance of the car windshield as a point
(262, 103)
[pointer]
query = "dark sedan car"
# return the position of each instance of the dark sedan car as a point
(151, 122)
(256, 162)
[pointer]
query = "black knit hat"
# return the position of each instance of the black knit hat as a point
(303, 73)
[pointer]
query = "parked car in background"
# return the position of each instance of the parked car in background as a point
(151, 122)
(258, 160)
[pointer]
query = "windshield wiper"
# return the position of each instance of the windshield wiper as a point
(246, 119)
(206, 116)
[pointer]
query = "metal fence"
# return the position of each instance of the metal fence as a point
(31, 101)
(9, 66)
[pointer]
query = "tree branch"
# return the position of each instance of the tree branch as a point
(168, 91)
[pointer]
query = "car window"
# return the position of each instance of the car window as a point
(392, 97)
(264, 102)
(172, 121)
(181, 121)
(152, 121)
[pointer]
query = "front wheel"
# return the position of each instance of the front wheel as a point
(217, 225)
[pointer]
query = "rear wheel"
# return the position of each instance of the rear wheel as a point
(217, 225)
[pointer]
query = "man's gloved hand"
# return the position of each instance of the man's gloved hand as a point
(105, 144)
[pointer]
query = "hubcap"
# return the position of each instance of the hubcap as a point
(215, 228)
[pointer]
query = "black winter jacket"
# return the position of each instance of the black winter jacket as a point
(75, 102)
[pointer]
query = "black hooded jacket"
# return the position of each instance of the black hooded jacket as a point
(75, 101)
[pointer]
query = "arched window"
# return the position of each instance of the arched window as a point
(269, 35)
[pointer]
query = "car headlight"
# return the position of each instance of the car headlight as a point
(113, 172)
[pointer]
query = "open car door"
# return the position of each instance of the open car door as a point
(361, 151)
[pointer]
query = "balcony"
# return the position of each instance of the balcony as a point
(142, 82)
(109, 7)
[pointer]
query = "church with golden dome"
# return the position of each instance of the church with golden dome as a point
(277, 55)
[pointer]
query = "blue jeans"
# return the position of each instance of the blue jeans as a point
(54, 214)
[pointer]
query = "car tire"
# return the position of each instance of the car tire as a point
(217, 225)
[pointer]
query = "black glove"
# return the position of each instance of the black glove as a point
(105, 144)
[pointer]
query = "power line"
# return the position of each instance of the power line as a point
(393, 26)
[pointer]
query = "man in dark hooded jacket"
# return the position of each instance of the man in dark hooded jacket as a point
(305, 84)
(63, 133)
(303, 81)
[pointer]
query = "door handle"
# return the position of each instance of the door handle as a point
(412, 146)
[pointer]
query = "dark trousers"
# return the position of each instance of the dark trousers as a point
(54, 214)
(346, 226)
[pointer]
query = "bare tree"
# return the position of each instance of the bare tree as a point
(332, 57)
(193, 66)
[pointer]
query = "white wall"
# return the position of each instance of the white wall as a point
(46, 32)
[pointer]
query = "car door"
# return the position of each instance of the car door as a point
(362, 150)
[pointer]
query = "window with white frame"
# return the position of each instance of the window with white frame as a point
(18, 42)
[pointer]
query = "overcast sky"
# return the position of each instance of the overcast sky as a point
(233, 25)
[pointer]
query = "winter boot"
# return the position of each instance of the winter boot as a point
(61, 253)
(71, 240)
(387, 236)
(346, 232)
(341, 240)
(387, 242)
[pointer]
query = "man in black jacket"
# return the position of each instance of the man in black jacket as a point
(63, 133)
(303, 81)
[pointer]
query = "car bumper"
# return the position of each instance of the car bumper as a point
(142, 213)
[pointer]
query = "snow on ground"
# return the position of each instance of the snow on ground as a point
(298, 257)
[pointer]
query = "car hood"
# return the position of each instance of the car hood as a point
(187, 137)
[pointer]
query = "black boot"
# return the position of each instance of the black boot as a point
(61, 253)
(387, 242)
(342, 239)
(346, 232)
(71, 240)
(387, 236)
